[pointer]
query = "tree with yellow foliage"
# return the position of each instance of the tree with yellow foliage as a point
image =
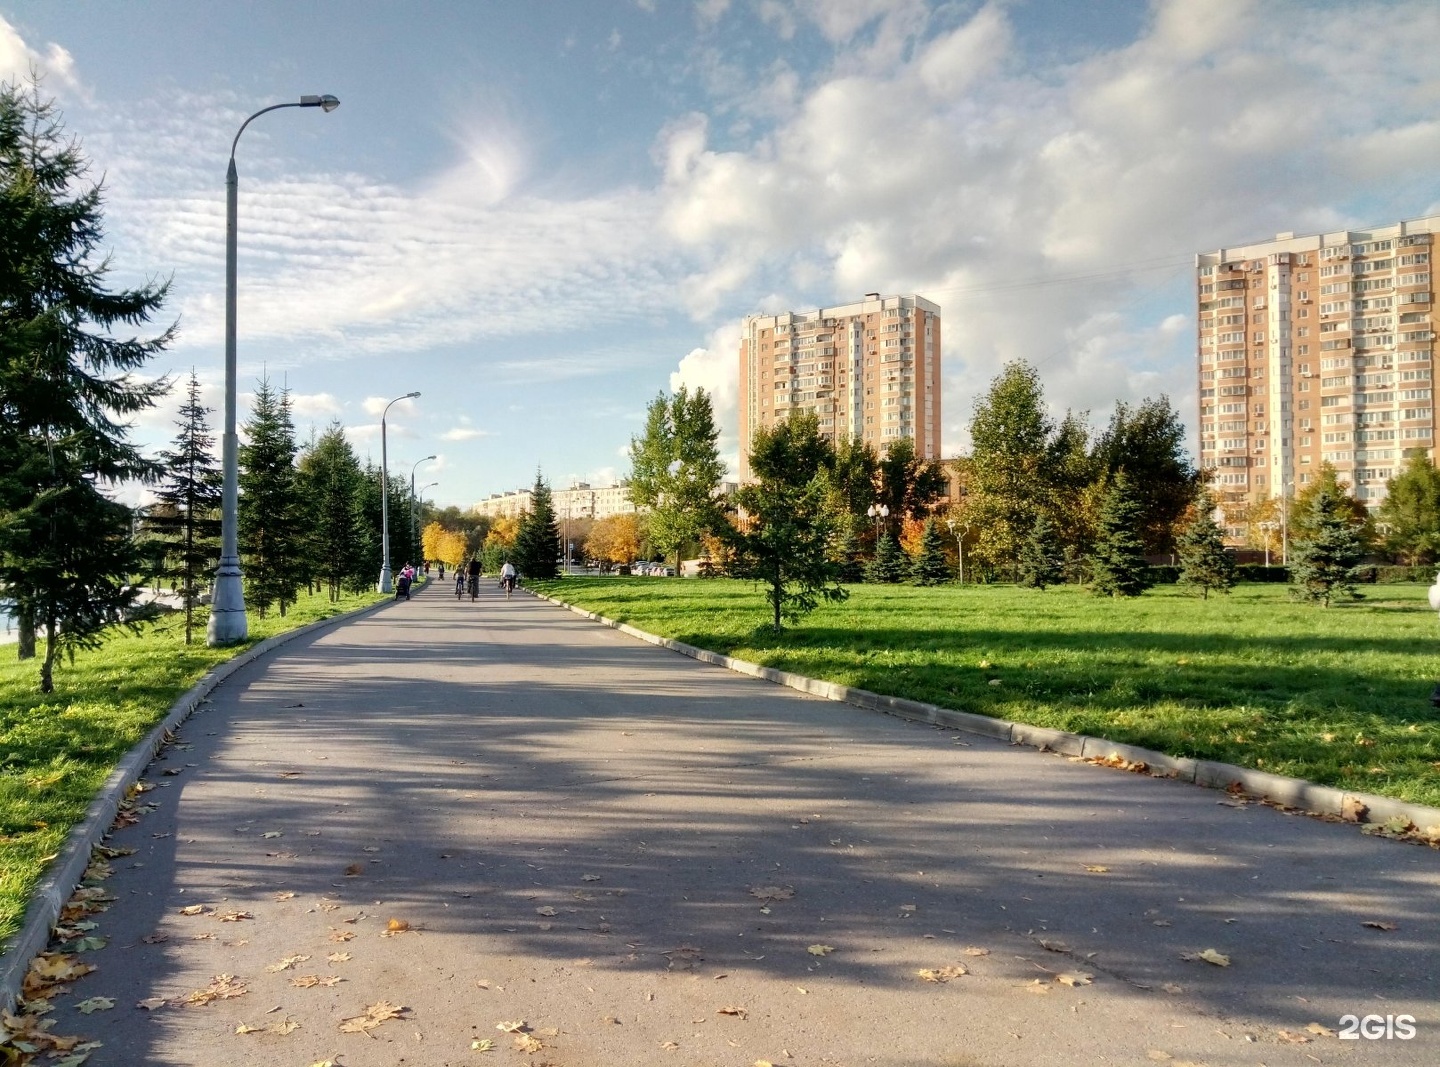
(615, 539)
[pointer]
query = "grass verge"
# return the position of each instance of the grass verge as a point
(56, 749)
(1339, 695)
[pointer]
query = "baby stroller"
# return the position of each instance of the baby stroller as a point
(402, 587)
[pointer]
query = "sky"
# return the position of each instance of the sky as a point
(542, 213)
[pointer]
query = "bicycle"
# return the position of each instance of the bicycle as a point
(474, 588)
(459, 586)
(509, 584)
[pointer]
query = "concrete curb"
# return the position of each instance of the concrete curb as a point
(66, 870)
(1290, 792)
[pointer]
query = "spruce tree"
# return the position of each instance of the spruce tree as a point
(330, 486)
(537, 544)
(187, 521)
(930, 566)
(1117, 562)
(1323, 562)
(889, 564)
(1042, 556)
(1204, 563)
(846, 553)
(269, 507)
(71, 376)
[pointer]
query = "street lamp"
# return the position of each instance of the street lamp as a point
(385, 586)
(1268, 526)
(418, 504)
(227, 604)
(878, 512)
(414, 538)
(964, 530)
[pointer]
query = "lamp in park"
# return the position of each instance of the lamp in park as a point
(227, 604)
(1269, 527)
(414, 536)
(385, 584)
(960, 530)
(878, 512)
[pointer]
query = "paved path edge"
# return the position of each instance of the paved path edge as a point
(1281, 789)
(66, 870)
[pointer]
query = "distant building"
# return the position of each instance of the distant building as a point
(1316, 349)
(870, 370)
(580, 501)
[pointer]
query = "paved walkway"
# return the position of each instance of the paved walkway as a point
(574, 827)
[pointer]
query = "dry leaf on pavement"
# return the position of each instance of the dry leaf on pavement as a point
(1096, 868)
(731, 1010)
(670, 1046)
(1320, 1030)
(396, 926)
(310, 981)
(975, 951)
(1053, 945)
(232, 916)
(286, 963)
(1376, 924)
(221, 987)
(1292, 1038)
(1074, 978)
(820, 950)
(772, 892)
(589, 878)
(511, 1028)
(152, 1003)
(375, 1014)
(95, 1004)
(546, 911)
(941, 974)
(192, 909)
(527, 1043)
(339, 957)
(1219, 959)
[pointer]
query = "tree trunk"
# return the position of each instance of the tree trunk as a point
(25, 627)
(47, 668)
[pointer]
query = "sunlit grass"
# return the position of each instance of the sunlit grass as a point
(1338, 695)
(56, 749)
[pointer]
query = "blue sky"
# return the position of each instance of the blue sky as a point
(541, 213)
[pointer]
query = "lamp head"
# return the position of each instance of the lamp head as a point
(411, 396)
(325, 103)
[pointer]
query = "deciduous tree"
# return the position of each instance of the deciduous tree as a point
(1147, 442)
(676, 469)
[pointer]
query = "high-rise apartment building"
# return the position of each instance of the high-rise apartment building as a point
(870, 370)
(1316, 349)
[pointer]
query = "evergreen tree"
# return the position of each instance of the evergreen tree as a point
(889, 564)
(70, 378)
(785, 527)
(1412, 511)
(187, 522)
(1322, 563)
(676, 470)
(1042, 557)
(1326, 480)
(269, 508)
(1117, 561)
(847, 554)
(537, 544)
(930, 566)
(330, 481)
(1204, 563)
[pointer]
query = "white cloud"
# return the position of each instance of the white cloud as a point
(464, 433)
(315, 405)
(53, 63)
(715, 368)
(376, 405)
(709, 12)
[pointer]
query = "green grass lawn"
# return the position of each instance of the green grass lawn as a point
(1338, 695)
(57, 749)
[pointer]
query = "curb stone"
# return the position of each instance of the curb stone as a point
(65, 872)
(1281, 789)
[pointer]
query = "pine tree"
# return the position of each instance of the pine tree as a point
(930, 566)
(889, 564)
(330, 482)
(187, 521)
(1117, 561)
(1204, 563)
(1322, 563)
(1042, 556)
(847, 554)
(537, 544)
(70, 379)
(269, 507)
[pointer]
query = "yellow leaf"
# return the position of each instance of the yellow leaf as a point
(1095, 868)
(1320, 1030)
(511, 1028)
(1219, 959)
(285, 964)
(339, 957)
(527, 1043)
(973, 951)
(669, 1046)
(820, 950)
(192, 909)
(1074, 978)
(1292, 1038)
(246, 1028)
(95, 1004)
(483, 1044)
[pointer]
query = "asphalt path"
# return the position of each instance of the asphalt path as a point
(647, 860)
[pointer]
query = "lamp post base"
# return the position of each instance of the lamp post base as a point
(386, 585)
(227, 624)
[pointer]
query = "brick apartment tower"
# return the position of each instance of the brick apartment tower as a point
(869, 369)
(1316, 349)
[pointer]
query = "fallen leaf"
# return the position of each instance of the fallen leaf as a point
(155, 939)
(310, 981)
(339, 957)
(669, 1046)
(375, 1014)
(511, 1028)
(483, 1044)
(233, 916)
(152, 1003)
(272, 834)
(286, 963)
(85, 1007)
(1292, 1038)
(732, 1010)
(246, 1028)
(974, 951)
(397, 926)
(88, 944)
(1352, 809)
(285, 894)
(1320, 1030)
(1173, 988)
(942, 974)
(1376, 924)
(527, 1043)
(1096, 868)
(221, 987)
(547, 911)
(589, 878)
(1053, 945)
(1219, 959)
(192, 909)
(772, 892)
(820, 950)
(1074, 978)
(342, 935)
(370, 848)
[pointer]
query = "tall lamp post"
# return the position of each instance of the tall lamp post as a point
(385, 584)
(960, 530)
(414, 536)
(227, 604)
(878, 512)
(1269, 527)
